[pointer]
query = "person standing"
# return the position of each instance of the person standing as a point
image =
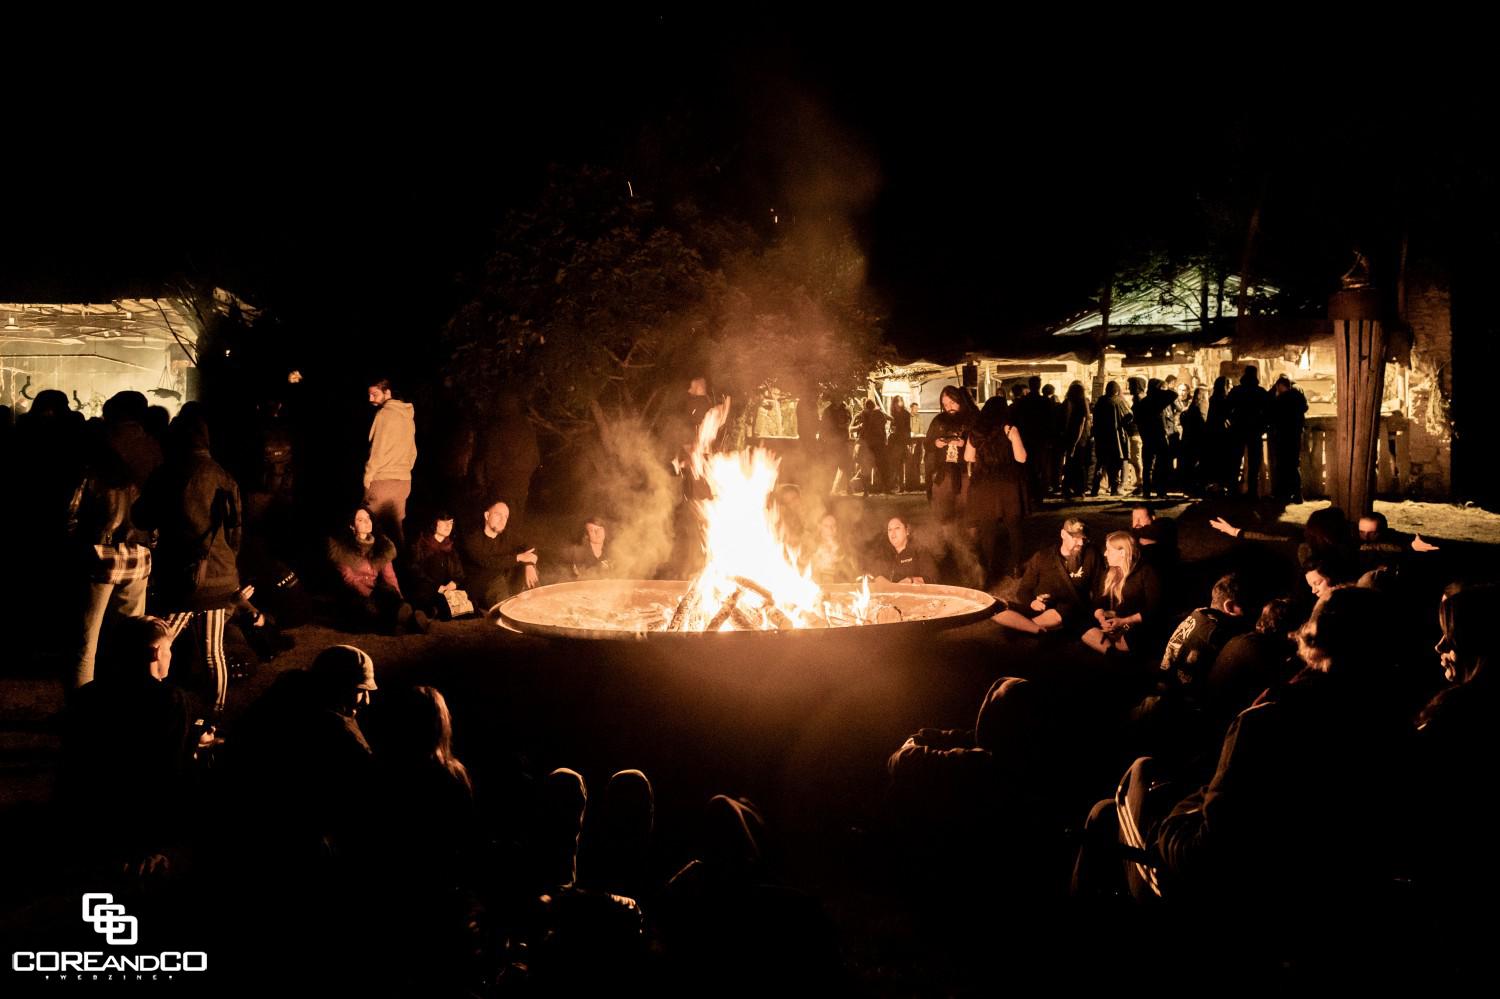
(834, 435)
(1112, 424)
(194, 505)
(1153, 414)
(1194, 453)
(1076, 424)
(1218, 446)
(870, 428)
(898, 447)
(1137, 387)
(393, 453)
(946, 436)
(1288, 414)
(995, 500)
(1247, 426)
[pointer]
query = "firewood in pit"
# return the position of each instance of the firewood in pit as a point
(724, 612)
(685, 606)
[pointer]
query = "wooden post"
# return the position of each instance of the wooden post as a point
(1360, 343)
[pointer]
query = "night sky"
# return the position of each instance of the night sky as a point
(993, 170)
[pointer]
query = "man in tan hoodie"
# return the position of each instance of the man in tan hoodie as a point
(393, 452)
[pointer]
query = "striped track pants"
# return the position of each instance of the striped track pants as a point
(208, 637)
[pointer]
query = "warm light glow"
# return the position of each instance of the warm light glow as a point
(750, 576)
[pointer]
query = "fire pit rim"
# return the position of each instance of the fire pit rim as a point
(509, 608)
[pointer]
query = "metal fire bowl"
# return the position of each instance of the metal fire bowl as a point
(583, 610)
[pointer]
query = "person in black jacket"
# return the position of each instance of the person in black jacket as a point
(1056, 586)
(436, 568)
(1247, 426)
(1288, 413)
(1128, 600)
(194, 504)
(946, 436)
(1113, 426)
(494, 559)
(902, 561)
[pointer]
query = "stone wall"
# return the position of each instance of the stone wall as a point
(1429, 445)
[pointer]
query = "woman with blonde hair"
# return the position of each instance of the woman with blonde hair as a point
(1128, 600)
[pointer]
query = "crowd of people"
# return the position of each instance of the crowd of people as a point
(1248, 731)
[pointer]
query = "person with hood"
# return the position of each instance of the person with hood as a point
(393, 453)
(194, 505)
(1112, 435)
(365, 561)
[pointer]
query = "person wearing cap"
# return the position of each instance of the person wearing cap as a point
(346, 675)
(1055, 585)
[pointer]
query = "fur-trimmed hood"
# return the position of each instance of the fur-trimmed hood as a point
(344, 550)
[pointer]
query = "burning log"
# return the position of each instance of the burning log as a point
(725, 612)
(742, 620)
(685, 606)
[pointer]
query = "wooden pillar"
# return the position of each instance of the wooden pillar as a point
(1360, 343)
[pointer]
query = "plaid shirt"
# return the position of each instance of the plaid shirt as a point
(121, 563)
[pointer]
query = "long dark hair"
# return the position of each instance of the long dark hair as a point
(966, 408)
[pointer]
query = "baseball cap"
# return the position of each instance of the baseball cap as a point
(345, 663)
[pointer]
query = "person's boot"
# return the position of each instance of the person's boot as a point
(420, 622)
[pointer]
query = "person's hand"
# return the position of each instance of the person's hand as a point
(448, 587)
(1040, 603)
(1418, 545)
(247, 591)
(1225, 527)
(528, 556)
(531, 577)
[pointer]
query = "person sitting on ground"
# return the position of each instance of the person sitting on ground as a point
(299, 796)
(1171, 720)
(1056, 585)
(127, 742)
(1195, 645)
(430, 840)
(1380, 546)
(1324, 576)
(727, 909)
(591, 558)
(1128, 598)
(495, 559)
(1286, 820)
(832, 561)
(1459, 749)
(436, 569)
(901, 560)
(371, 595)
(1252, 663)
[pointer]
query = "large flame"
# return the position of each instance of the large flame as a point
(750, 579)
